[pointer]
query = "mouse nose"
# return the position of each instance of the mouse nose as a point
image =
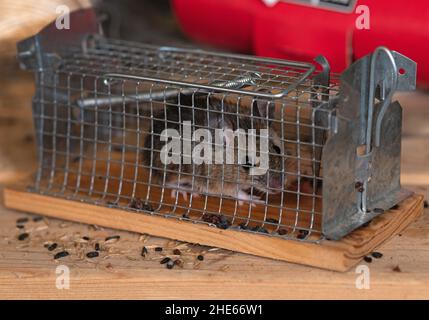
(275, 182)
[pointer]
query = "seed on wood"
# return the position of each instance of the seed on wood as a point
(366, 224)
(165, 260)
(397, 269)
(112, 238)
(52, 246)
(46, 245)
(85, 238)
(425, 204)
(302, 234)
(97, 247)
(144, 252)
(61, 254)
(358, 186)
(23, 236)
(367, 259)
(158, 249)
(243, 226)
(200, 257)
(92, 254)
(259, 229)
(377, 255)
(20, 226)
(177, 252)
(170, 264)
(37, 218)
(282, 231)
(22, 220)
(219, 220)
(140, 205)
(378, 210)
(179, 263)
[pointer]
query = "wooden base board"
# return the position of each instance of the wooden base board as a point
(333, 255)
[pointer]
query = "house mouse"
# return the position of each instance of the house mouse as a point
(232, 180)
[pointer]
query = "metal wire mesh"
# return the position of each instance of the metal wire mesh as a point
(99, 112)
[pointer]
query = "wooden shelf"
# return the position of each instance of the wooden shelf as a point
(334, 255)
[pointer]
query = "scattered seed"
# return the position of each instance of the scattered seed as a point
(85, 238)
(177, 252)
(377, 255)
(366, 224)
(21, 220)
(367, 259)
(97, 247)
(37, 218)
(378, 210)
(140, 205)
(179, 263)
(224, 268)
(23, 236)
(170, 264)
(358, 185)
(219, 220)
(112, 238)
(302, 234)
(61, 254)
(259, 229)
(200, 257)
(243, 226)
(144, 252)
(158, 249)
(46, 245)
(425, 204)
(92, 254)
(397, 269)
(52, 246)
(165, 260)
(20, 226)
(282, 232)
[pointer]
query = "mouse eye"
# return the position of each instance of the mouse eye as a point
(277, 149)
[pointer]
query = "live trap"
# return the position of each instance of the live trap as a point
(220, 149)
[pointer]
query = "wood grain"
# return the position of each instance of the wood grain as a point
(333, 255)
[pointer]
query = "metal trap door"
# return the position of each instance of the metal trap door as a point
(362, 159)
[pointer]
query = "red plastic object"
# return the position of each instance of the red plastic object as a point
(294, 31)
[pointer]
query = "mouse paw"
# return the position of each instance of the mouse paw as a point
(174, 194)
(245, 197)
(184, 194)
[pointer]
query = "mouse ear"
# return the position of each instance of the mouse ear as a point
(263, 109)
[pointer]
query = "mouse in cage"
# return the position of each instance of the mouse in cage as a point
(231, 180)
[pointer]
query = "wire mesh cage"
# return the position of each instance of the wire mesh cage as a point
(279, 148)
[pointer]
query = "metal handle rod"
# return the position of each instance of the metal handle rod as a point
(161, 95)
(281, 94)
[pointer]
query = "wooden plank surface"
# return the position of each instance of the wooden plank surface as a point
(332, 255)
